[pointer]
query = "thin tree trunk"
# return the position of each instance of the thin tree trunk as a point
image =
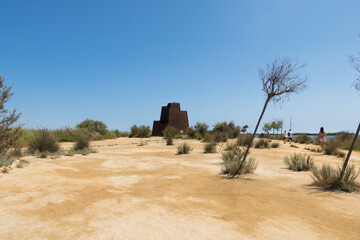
(349, 153)
(252, 138)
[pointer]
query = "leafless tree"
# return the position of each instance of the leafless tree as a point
(279, 80)
(355, 62)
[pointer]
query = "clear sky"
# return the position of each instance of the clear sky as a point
(120, 61)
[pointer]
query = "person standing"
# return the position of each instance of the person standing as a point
(322, 138)
(290, 135)
(284, 137)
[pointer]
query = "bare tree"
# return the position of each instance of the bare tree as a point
(8, 133)
(279, 80)
(355, 62)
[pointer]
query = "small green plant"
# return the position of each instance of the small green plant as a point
(82, 141)
(262, 143)
(231, 162)
(70, 152)
(183, 148)
(6, 160)
(299, 162)
(142, 143)
(22, 163)
(244, 140)
(331, 148)
(340, 154)
(328, 177)
(210, 147)
(43, 141)
(302, 138)
(274, 145)
(169, 134)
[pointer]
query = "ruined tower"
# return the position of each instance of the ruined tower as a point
(171, 115)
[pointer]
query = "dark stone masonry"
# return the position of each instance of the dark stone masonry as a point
(171, 115)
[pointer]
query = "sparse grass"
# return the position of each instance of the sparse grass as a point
(85, 151)
(183, 148)
(244, 140)
(22, 163)
(262, 143)
(231, 162)
(210, 147)
(274, 145)
(6, 160)
(328, 177)
(142, 143)
(43, 141)
(299, 162)
(293, 146)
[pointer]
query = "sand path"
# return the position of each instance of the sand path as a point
(147, 192)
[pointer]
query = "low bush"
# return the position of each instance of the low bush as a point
(244, 140)
(274, 145)
(230, 130)
(82, 141)
(219, 136)
(331, 147)
(232, 159)
(193, 133)
(328, 177)
(119, 134)
(340, 154)
(210, 147)
(140, 132)
(302, 138)
(299, 162)
(169, 134)
(6, 160)
(183, 148)
(43, 141)
(293, 146)
(262, 143)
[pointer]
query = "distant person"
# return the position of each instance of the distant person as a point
(322, 138)
(290, 135)
(284, 137)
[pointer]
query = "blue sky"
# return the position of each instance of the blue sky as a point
(120, 61)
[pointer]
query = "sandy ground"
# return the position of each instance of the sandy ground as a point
(127, 191)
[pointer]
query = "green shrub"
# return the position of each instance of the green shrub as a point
(262, 143)
(6, 160)
(93, 126)
(219, 137)
(82, 140)
(328, 178)
(274, 145)
(66, 134)
(210, 147)
(43, 141)
(244, 140)
(299, 162)
(119, 134)
(331, 147)
(201, 128)
(302, 138)
(169, 134)
(183, 148)
(140, 132)
(193, 134)
(340, 154)
(230, 130)
(232, 159)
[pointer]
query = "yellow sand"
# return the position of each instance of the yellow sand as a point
(148, 192)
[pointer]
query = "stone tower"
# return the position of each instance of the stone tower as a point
(171, 115)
